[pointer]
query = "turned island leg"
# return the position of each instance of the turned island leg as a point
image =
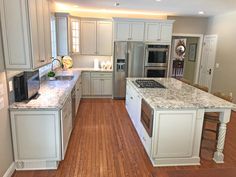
(224, 119)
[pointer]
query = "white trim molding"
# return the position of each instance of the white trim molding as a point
(10, 170)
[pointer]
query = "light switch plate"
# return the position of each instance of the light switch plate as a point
(217, 65)
(10, 86)
(1, 103)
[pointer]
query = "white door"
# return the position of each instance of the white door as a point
(96, 86)
(208, 60)
(166, 32)
(107, 86)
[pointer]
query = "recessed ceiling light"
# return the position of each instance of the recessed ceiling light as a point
(117, 4)
(158, 0)
(201, 12)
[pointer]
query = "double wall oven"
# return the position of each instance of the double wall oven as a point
(156, 60)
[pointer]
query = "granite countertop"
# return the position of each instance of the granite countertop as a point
(53, 94)
(95, 69)
(179, 95)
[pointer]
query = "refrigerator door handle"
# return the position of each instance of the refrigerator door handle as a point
(127, 64)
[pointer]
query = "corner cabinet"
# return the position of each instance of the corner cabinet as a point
(101, 84)
(96, 37)
(96, 84)
(26, 34)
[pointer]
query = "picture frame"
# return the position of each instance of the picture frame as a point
(192, 52)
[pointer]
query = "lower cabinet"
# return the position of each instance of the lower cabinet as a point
(78, 88)
(96, 84)
(85, 83)
(40, 137)
(133, 106)
(101, 84)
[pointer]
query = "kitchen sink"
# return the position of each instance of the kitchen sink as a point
(64, 77)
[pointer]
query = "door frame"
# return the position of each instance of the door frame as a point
(213, 69)
(199, 53)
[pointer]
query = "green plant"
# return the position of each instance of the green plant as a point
(51, 74)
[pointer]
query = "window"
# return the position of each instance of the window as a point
(75, 35)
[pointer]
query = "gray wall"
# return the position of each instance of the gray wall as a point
(189, 66)
(189, 25)
(224, 76)
(6, 155)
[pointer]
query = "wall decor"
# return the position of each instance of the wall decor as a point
(192, 52)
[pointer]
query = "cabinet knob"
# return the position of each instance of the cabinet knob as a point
(131, 97)
(42, 60)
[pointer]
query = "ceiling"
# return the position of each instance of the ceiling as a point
(164, 7)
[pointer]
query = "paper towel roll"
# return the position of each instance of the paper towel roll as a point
(96, 64)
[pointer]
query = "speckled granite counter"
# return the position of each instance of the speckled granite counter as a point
(95, 69)
(53, 94)
(179, 95)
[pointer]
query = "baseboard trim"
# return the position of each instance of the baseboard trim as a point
(10, 170)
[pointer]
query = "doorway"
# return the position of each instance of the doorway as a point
(208, 60)
(186, 65)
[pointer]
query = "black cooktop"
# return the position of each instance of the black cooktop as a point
(141, 83)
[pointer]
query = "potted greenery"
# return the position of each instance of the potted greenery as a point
(51, 75)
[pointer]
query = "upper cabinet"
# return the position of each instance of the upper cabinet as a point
(96, 37)
(158, 32)
(144, 30)
(26, 34)
(67, 34)
(88, 37)
(129, 31)
(104, 38)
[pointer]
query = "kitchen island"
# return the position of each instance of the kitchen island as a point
(176, 127)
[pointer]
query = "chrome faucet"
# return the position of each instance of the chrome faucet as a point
(61, 64)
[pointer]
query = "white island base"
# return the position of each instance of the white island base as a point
(178, 120)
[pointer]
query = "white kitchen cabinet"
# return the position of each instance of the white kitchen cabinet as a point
(96, 37)
(158, 32)
(104, 38)
(101, 84)
(36, 139)
(75, 34)
(85, 83)
(133, 106)
(174, 136)
(129, 31)
(66, 125)
(88, 37)
(63, 35)
(78, 92)
(25, 33)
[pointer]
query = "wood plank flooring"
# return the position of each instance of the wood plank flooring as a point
(104, 143)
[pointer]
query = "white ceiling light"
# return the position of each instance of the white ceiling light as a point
(201, 12)
(158, 0)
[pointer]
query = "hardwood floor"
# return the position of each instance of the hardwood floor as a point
(104, 143)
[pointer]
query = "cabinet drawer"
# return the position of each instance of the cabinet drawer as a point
(101, 74)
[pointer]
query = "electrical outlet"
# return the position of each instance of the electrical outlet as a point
(10, 86)
(217, 65)
(231, 94)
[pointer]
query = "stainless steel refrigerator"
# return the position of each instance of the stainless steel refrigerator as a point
(128, 62)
